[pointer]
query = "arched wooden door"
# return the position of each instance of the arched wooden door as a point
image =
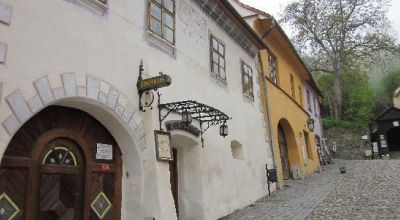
(283, 148)
(52, 169)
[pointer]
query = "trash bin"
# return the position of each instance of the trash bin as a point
(272, 175)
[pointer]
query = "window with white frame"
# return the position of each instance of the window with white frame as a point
(315, 106)
(217, 54)
(247, 80)
(162, 19)
(272, 69)
(308, 101)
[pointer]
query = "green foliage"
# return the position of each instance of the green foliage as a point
(388, 84)
(358, 97)
(328, 123)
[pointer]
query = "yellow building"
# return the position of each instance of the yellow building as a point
(283, 76)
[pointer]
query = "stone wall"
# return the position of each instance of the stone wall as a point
(350, 145)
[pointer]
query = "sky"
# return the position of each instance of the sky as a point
(275, 7)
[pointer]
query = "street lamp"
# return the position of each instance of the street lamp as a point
(186, 117)
(310, 124)
(223, 130)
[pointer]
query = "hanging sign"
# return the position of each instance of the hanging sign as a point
(104, 152)
(180, 125)
(153, 83)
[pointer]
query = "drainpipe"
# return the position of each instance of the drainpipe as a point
(266, 97)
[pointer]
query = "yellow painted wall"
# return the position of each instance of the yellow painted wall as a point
(287, 110)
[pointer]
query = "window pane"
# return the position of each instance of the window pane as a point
(155, 26)
(156, 11)
(169, 5)
(168, 34)
(222, 62)
(215, 68)
(158, 1)
(215, 57)
(168, 20)
(215, 44)
(221, 49)
(222, 73)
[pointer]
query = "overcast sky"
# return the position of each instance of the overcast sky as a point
(274, 7)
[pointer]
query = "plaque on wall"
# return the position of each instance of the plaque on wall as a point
(163, 145)
(104, 152)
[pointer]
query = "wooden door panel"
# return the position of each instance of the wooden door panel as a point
(13, 183)
(102, 189)
(59, 197)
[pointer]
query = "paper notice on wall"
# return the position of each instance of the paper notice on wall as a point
(396, 123)
(375, 147)
(104, 152)
(383, 144)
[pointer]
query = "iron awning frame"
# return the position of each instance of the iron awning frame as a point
(206, 115)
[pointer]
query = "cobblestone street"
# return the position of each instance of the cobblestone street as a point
(369, 190)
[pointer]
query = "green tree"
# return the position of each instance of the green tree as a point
(340, 35)
(388, 84)
(358, 96)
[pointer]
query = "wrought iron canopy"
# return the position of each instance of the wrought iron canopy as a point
(205, 114)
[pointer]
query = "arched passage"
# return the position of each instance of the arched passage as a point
(289, 154)
(393, 139)
(186, 175)
(109, 106)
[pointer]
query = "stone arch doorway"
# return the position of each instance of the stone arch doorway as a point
(289, 154)
(51, 170)
(186, 176)
(283, 148)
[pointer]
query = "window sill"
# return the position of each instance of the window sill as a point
(248, 97)
(160, 43)
(94, 4)
(219, 80)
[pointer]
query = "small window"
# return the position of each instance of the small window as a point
(308, 101)
(60, 155)
(247, 80)
(162, 19)
(315, 106)
(237, 150)
(272, 69)
(308, 145)
(217, 56)
(292, 86)
(300, 96)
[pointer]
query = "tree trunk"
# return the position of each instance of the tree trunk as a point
(337, 93)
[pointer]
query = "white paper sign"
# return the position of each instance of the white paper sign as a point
(104, 152)
(365, 137)
(375, 147)
(396, 123)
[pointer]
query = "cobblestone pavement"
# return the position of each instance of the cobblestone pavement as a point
(297, 199)
(369, 191)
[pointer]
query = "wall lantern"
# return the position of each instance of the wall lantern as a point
(311, 124)
(223, 130)
(186, 117)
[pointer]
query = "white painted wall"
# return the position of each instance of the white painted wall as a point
(48, 38)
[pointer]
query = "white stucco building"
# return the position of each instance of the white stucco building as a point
(68, 74)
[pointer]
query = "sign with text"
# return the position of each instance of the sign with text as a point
(104, 152)
(154, 83)
(180, 125)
